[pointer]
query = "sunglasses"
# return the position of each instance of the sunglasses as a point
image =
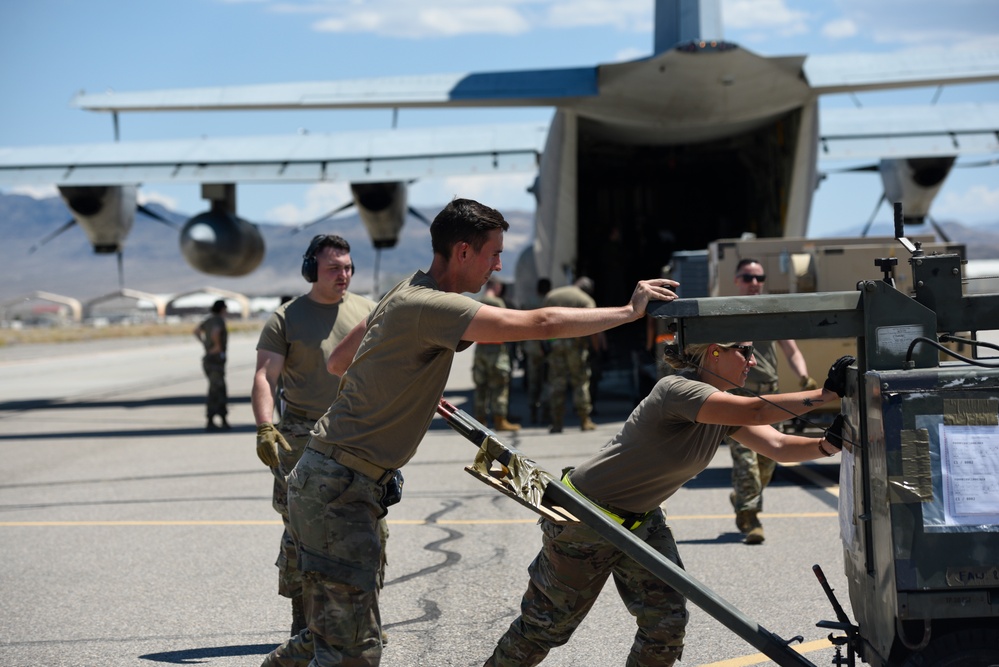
(749, 277)
(745, 350)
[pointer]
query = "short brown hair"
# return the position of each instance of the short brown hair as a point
(464, 221)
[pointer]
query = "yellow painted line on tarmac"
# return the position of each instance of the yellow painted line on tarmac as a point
(396, 522)
(760, 659)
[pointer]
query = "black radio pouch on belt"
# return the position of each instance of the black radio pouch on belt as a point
(393, 489)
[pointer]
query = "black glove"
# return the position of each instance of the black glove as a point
(834, 434)
(836, 380)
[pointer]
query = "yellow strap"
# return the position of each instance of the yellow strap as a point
(615, 517)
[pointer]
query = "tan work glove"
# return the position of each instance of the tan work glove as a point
(808, 383)
(268, 440)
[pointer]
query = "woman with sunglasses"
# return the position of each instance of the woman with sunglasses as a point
(669, 438)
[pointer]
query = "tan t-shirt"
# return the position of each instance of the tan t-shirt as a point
(389, 394)
(304, 333)
(765, 370)
(569, 296)
(658, 449)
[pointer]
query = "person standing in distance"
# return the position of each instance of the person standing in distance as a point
(568, 359)
(535, 351)
(752, 472)
(214, 335)
(394, 367)
(491, 371)
(291, 354)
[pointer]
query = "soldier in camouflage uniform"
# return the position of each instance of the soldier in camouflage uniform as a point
(751, 472)
(491, 371)
(669, 438)
(568, 359)
(214, 335)
(534, 352)
(292, 352)
(395, 366)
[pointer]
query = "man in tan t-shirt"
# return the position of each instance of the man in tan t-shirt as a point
(394, 368)
(569, 358)
(292, 353)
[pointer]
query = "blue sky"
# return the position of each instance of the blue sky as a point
(51, 49)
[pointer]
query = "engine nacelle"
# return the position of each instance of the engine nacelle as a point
(914, 182)
(382, 207)
(219, 243)
(105, 213)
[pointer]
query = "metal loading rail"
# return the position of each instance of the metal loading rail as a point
(521, 479)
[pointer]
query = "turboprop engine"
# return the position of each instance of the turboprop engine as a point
(220, 243)
(104, 212)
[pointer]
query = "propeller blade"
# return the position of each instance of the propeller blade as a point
(156, 216)
(940, 232)
(121, 271)
(419, 216)
(983, 163)
(870, 221)
(847, 170)
(72, 221)
(344, 207)
(378, 261)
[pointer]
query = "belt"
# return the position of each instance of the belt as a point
(379, 474)
(629, 520)
(301, 413)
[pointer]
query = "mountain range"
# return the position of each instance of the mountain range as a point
(152, 261)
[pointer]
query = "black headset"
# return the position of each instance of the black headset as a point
(310, 266)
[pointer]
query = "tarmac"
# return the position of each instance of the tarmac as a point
(130, 536)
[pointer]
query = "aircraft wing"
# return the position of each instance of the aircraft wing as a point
(828, 74)
(489, 89)
(553, 87)
(908, 131)
(358, 157)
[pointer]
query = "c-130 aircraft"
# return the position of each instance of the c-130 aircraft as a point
(701, 140)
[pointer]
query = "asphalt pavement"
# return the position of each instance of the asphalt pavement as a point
(130, 536)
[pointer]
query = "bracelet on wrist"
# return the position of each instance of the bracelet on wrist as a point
(824, 452)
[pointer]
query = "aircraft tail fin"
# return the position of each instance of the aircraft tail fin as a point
(680, 21)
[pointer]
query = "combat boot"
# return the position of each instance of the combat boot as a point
(299, 650)
(743, 521)
(586, 424)
(755, 533)
(501, 423)
(556, 426)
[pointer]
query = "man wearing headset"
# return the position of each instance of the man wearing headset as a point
(291, 354)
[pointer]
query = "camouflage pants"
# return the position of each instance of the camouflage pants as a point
(335, 521)
(751, 472)
(568, 365)
(218, 398)
(491, 374)
(535, 370)
(295, 430)
(565, 580)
